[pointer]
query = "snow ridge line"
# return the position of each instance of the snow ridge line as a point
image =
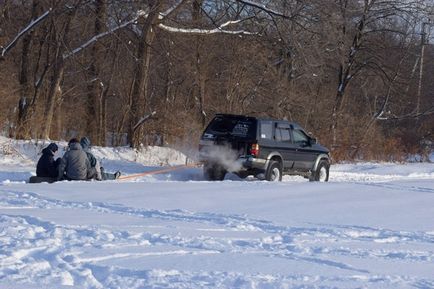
(232, 221)
(59, 250)
(41, 249)
(56, 257)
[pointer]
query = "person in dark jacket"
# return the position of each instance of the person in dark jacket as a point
(97, 171)
(47, 167)
(74, 164)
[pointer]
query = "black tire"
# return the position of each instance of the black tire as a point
(322, 172)
(213, 172)
(242, 175)
(274, 172)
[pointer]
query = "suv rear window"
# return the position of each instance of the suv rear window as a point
(245, 128)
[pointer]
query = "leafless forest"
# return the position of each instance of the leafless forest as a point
(358, 74)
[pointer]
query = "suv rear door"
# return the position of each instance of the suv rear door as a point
(236, 132)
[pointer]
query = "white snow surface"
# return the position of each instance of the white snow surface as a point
(370, 226)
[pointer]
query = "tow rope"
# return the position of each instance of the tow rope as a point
(160, 171)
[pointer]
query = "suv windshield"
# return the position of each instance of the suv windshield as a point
(232, 125)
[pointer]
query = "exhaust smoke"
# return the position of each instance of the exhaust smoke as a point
(224, 156)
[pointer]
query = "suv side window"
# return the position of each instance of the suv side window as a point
(282, 134)
(299, 136)
(267, 129)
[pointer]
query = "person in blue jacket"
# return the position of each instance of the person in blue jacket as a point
(97, 171)
(47, 167)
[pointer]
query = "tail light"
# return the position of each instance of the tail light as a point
(254, 150)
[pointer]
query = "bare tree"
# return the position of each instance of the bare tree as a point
(96, 102)
(141, 72)
(23, 117)
(148, 71)
(60, 30)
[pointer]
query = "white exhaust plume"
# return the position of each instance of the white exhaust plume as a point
(224, 156)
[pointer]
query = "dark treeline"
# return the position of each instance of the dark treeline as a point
(358, 74)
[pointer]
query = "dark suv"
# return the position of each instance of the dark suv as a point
(265, 148)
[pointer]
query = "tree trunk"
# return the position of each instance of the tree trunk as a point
(200, 73)
(24, 115)
(141, 73)
(95, 102)
(347, 69)
(55, 90)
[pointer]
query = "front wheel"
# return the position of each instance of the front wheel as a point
(322, 172)
(274, 172)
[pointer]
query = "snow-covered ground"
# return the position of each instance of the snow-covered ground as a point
(371, 226)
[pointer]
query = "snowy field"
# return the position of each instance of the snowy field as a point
(371, 226)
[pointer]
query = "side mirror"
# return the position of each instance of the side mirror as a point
(312, 140)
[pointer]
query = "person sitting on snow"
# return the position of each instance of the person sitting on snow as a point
(47, 167)
(74, 164)
(97, 171)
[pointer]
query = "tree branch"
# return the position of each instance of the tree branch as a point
(411, 115)
(263, 8)
(218, 29)
(32, 24)
(141, 13)
(143, 119)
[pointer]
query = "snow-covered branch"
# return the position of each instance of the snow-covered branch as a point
(143, 119)
(32, 24)
(161, 17)
(207, 31)
(101, 35)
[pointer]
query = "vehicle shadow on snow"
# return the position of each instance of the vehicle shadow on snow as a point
(190, 174)
(183, 175)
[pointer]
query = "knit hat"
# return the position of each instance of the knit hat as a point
(85, 142)
(53, 147)
(73, 140)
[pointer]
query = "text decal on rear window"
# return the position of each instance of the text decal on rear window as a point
(241, 129)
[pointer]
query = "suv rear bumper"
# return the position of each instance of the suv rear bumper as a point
(253, 163)
(242, 163)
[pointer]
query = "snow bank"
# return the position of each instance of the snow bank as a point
(23, 155)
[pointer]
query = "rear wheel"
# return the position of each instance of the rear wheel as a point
(213, 172)
(274, 172)
(322, 172)
(242, 174)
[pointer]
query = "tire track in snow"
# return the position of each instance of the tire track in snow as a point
(391, 186)
(235, 222)
(22, 261)
(65, 268)
(295, 243)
